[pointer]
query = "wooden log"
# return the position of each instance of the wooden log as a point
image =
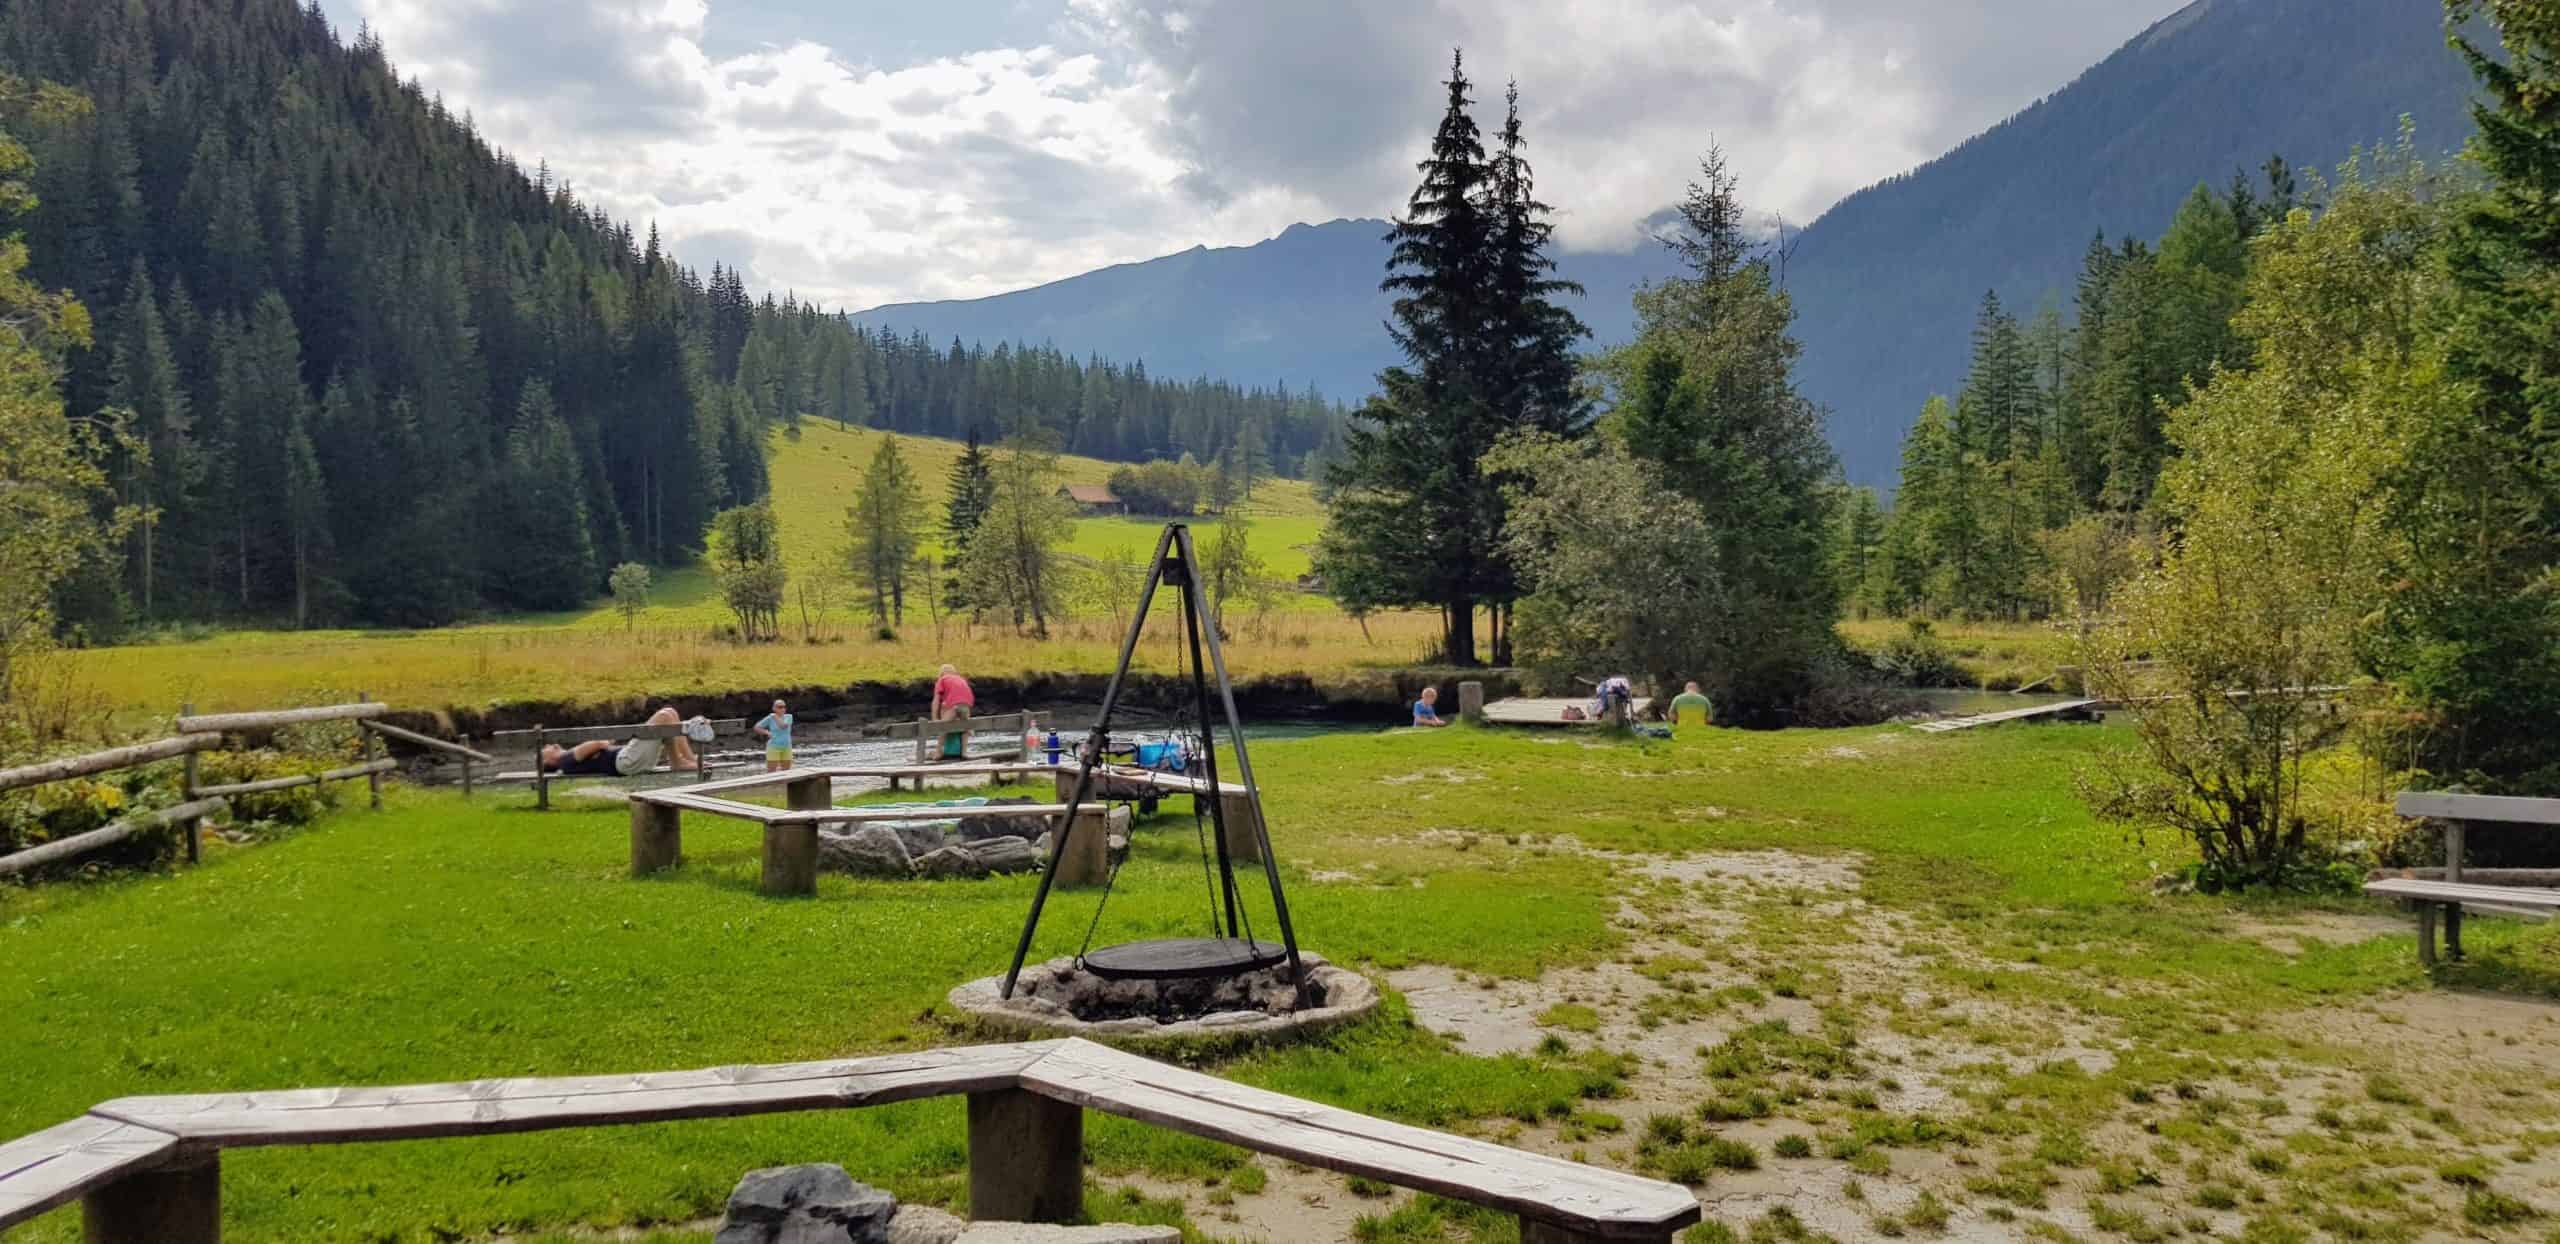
(101, 762)
(542, 782)
(613, 734)
(371, 770)
(1087, 859)
(427, 741)
(1471, 701)
(106, 835)
(1241, 817)
(1015, 722)
(2426, 934)
(790, 860)
(657, 837)
(2453, 931)
(2453, 851)
(1026, 1158)
(55, 1166)
(372, 751)
(226, 722)
(175, 1204)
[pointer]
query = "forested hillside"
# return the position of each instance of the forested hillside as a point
(2210, 92)
(378, 365)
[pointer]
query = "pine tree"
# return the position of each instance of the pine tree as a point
(540, 554)
(144, 381)
(1410, 504)
(885, 526)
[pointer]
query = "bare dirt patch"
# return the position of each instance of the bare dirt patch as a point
(2294, 935)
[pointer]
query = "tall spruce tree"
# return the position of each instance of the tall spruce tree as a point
(1411, 518)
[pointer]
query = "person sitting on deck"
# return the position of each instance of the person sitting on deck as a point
(951, 695)
(1425, 712)
(633, 757)
(1692, 707)
(776, 729)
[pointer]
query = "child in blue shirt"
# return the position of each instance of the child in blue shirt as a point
(776, 729)
(1424, 714)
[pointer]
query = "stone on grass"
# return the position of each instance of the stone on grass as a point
(815, 1203)
(1041, 1233)
(923, 1224)
(921, 837)
(1003, 855)
(950, 862)
(869, 851)
(977, 828)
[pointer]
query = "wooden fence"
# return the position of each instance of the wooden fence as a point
(147, 1170)
(204, 733)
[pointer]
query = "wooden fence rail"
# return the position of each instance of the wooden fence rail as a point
(100, 762)
(367, 769)
(271, 719)
(108, 835)
(149, 1168)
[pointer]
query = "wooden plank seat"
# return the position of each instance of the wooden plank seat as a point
(147, 1168)
(934, 738)
(790, 832)
(2449, 896)
(569, 736)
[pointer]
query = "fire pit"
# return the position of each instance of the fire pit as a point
(1061, 999)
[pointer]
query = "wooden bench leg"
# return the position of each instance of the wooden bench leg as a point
(1244, 845)
(790, 860)
(171, 1205)
(657, 838)
(2453, 931)
(1087, 860)
(1532, 1232)
(1026, 1158)
(2426, 935)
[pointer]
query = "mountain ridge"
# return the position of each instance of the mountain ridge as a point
(1885, 281)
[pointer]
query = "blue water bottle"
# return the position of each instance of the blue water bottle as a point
(1053, 747)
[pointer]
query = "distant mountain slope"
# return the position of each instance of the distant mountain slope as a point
(1887, 281)
(1303, 308)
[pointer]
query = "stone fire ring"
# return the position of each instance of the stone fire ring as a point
(1252, 1009)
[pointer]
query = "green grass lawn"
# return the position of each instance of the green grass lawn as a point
(444, 940)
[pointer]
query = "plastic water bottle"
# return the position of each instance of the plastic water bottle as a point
(1053, 747)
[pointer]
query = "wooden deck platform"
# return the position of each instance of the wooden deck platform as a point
(1521, 710)
(2062, 709)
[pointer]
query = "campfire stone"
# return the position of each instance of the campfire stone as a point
(921, 837)
(949, 862)
(976, 828)
(1002, 855)
(1059, 998)
(812, 1204)
(870, 851)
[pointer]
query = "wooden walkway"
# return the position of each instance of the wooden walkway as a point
(1520, 710)
(2066, 709)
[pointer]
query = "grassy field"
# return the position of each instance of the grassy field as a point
(1950, 1002)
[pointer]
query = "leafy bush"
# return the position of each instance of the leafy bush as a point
(1915, 658)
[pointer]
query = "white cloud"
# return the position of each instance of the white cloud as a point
(1152, 125)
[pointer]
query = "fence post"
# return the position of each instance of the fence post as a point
(195, 824)
(657, 837)
(1026, 1158)
(541, 778)
(372, 752)
(171, 1205)
(1471, 701)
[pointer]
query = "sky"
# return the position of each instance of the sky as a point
(860, 152)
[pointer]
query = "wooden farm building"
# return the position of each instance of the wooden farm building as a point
(1094, 499)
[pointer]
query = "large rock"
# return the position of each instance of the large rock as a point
(921, 837)
(1003, 855)
(979, 828)
(811, 1204)
(923, 1224)
(1039, 1233)
(869, 851)
(950, 862)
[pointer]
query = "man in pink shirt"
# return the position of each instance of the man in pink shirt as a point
(951, 695)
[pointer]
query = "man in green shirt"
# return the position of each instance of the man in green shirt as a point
(1691, 707)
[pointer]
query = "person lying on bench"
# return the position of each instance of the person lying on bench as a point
(633, 757)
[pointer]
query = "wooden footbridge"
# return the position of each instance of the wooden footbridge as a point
(2060, 710)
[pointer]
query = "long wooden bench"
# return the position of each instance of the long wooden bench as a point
(935, 739)
(791, 831)
(147, 1170)
(2449, 894)
(570, 736)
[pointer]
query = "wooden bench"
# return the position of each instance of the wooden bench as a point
(570, 736)
(791, 831)
(934, 739)
(147, 1170)
(1239, 811)
(2449, 894)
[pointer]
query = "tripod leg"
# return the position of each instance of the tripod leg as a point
(1092, 756)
